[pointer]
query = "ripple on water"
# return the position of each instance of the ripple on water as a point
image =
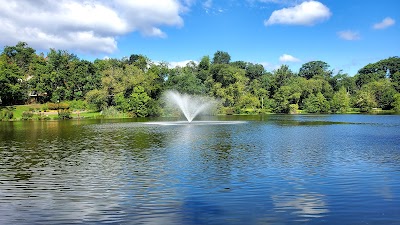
(251, 172)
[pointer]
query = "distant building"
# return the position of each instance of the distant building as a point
(36, 97)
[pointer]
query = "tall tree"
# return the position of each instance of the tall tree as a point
(378, 70)
(21, 54)
(315, 69)
(139, 61)
(221, 57)
(340, 102)
(254, 71)
(203, 68)
(11, 83)
(316, 104)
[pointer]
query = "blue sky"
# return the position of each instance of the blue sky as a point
(345, 34)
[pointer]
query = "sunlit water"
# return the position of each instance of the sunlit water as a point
(335, 169)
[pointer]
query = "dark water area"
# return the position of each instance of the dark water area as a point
(275, 169)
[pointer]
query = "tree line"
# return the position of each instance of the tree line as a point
(135, 84)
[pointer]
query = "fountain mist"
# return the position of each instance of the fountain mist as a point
(190, 105)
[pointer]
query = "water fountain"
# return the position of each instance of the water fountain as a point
(190, 105)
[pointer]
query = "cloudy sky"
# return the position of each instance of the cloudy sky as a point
(345, 34)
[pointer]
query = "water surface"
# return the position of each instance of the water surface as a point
(328, 169)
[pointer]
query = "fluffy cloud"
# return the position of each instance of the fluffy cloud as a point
(181, 63)
(307, 13)
(89, 26)
(349, 35)
(385, 23)
(207, 4)
(288, 58)
(146, 16)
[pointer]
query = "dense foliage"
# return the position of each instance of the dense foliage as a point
(135, 84)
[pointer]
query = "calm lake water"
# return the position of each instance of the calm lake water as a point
(328, 169)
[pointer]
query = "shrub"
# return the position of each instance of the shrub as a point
(57, 106)
(77, 104)
(45, 107)
(97, 99)
(293, 108)
(43, 117)
(229, 111)
(64, 114)
(110, 112)
(6, 113)
(52, 106)
(27, 115)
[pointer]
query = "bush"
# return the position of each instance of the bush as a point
(229, 111)
(64, 114)
(77, 104)
(27, 115)
(7, 113)
(97, 99)
(45, 107)
(110, 112)
(293, 108)
(57, 106)
(52, 106)
(43, 117)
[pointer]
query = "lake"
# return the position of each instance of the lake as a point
(271, 169)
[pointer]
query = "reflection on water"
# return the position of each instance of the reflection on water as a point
(336, 169)
(310, 205)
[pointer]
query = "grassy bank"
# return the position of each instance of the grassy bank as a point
(41, 112)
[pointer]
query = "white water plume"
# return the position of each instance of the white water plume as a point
(190, 105)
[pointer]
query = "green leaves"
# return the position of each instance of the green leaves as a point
(221, 57)
(315, 69)
(135, 104)
(316, 104)
(134, 85)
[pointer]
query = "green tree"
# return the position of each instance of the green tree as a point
(315, 69)
(257, 90)
(382, 91)
(224, 74)
(340, 102)
(184, 80)
(378, 70)
(97, 99)
(364, 100)
(20, 54)
(395, 79)
(140, 61)
(239, 64)
(254, 71)
(344, 81)
(135, 104)
(282, 99)
(316, 104)
(12, 89)
(396, 102)
(221, 57)
(204, 68)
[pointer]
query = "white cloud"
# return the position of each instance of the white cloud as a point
(207, 4)
(268, 65)
(146, 16)
(181, 63)
(288, 58)
(88, 26)
(307, 13)
(273, 1)
(385, 23)
(349, 35)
